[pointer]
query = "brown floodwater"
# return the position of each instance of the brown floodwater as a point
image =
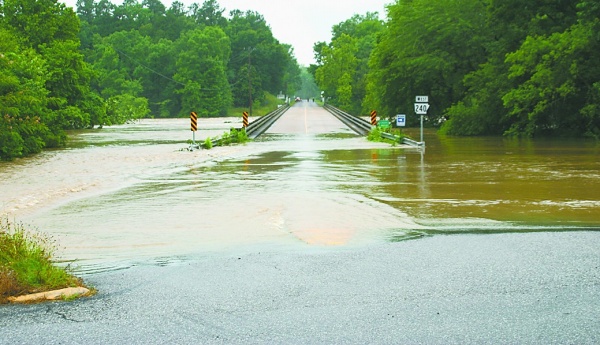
(133, 193)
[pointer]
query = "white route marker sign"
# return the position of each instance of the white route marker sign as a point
(421, 108)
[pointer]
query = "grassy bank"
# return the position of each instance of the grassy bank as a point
(26, 262)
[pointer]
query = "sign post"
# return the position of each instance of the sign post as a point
(421, 107)
(245, 119)
(194, 125)
(373, 118)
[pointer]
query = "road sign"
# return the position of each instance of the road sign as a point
(400, 120)
(421, 108)
(245, 119)
(422, 99)
(194, 121)
(383, 124)
(373, 117)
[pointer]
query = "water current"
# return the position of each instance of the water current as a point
(128, 194)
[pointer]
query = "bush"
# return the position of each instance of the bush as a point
(208, 143)
(26, 263)
(234, 136)
(376, 135)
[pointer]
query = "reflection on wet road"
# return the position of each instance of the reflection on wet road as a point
(128, 193)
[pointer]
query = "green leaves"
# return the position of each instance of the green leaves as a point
(494, 67)
(556, 76)
(343, 64)
(202, 67)
(426, 49)
(44, 77)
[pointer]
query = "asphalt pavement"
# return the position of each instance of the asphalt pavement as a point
(533, 288)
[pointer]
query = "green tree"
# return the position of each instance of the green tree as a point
(257, 58)
(538, 79)
(202, 69)
(209, 14)
(426, 49)
(559, 89)
(292, 79)
(41, 22)
(23, 99)
(336, 74)
(346, 59)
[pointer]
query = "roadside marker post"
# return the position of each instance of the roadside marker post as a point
(374, 118)
(245, 119)
(194, 128)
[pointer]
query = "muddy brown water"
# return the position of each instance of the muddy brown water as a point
(128, 194)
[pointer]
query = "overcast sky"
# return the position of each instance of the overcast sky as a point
(299, 23)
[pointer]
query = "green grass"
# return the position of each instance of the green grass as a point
(26, 262)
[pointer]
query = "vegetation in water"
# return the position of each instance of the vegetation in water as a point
(27, 262)
(208, 143)
(234, 136)
(376, 135)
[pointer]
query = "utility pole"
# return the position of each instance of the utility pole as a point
(250, 78)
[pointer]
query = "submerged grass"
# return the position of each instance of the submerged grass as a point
(26, 262)
(234, 136)
(376, 135)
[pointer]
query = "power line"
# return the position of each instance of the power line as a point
(156, 72)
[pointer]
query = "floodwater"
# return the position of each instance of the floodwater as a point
(129, 194)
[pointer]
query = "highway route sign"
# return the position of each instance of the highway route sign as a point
(421, 108)
(422, 99)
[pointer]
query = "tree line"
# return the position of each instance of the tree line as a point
(108, 64)
(489, 67)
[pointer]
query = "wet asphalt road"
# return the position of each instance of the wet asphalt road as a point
(535, 288)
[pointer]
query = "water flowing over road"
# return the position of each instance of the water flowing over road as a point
(129, 193)
(312, 234)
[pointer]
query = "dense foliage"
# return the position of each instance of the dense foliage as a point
(110, 64)
(181, 59)
(489, 67)
(343, 64)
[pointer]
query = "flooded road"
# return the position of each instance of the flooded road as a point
(132, 193)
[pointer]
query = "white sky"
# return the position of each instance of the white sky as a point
(298, 23)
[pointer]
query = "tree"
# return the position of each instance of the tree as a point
(41, 21)
(336, 74)
(23, 100)
(258, 60)
(559, 90)
(209, 14)
(202, 69)
(538, 79)
(427, 48)
(342, 65)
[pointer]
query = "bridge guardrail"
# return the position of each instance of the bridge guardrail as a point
(363, 127)
(261, 124)
(254, 129)
(355, 123)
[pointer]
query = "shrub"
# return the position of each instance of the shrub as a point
(26, 263)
